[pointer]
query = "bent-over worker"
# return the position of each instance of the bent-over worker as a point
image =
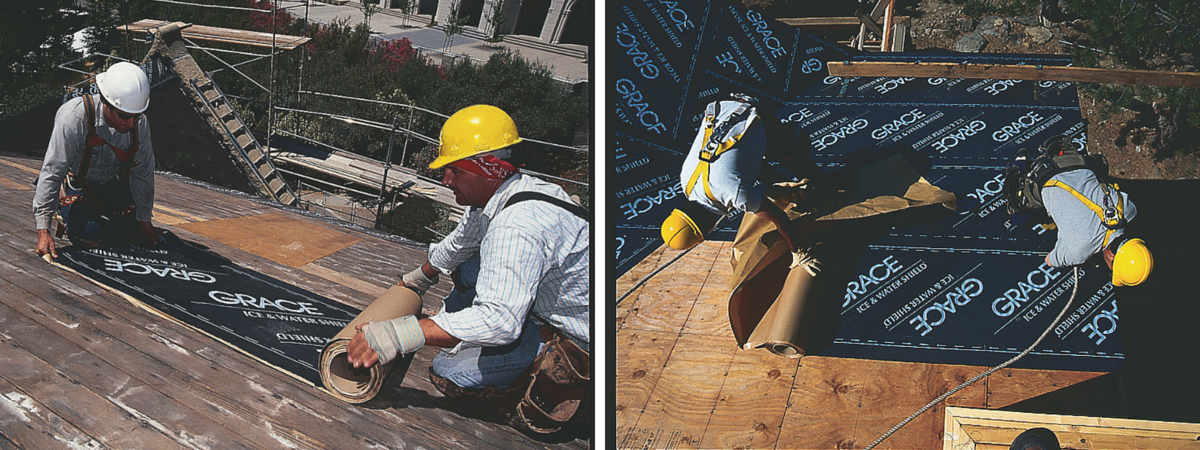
(721, 174)
(519, 258)
(98, 173)
(1089, 212)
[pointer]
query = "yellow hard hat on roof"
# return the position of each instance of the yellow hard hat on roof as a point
(474, 130)
(680, 231)
(1132, 264)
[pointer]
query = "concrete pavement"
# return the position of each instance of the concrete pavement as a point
(390, 25)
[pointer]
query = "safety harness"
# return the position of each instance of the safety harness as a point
(718, 139)
(125, 157)
(1055, 160)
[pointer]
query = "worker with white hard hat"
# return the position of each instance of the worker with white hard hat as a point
(519, 259)
(97, 179)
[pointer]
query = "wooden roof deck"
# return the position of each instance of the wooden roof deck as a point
(80, 367)
(682, 381)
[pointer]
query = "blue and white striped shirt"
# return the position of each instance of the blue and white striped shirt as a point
(533, 259)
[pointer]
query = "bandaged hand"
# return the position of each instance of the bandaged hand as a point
(418, 282)
(394, 337)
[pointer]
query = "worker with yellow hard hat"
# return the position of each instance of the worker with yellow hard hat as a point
(1089, 211)
(97, 178)
(519, 259)
(721, 173)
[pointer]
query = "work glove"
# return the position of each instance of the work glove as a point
(394, 337)
(418, 282)
(803, 258)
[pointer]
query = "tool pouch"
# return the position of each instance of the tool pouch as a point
(559, 386)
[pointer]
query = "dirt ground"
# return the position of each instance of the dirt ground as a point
(1126, 138)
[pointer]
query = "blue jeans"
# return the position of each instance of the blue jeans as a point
(85, 223)
(476, 367)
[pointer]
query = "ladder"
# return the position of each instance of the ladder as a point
(262, 172)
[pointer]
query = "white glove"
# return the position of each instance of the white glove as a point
(394, 337)
(418, 282)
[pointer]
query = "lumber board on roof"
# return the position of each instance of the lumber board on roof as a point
(831, 23)
(1012, 72)
(980, 428)
(226, 35)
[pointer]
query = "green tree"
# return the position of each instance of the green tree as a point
(497, 19)
(34, 38)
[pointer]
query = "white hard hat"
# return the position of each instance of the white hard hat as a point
(125, 86)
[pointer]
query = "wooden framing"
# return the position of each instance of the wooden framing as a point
(971, 428)
(1013, 72)
(226, 35)
(889, 31)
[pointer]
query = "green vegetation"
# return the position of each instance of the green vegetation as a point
(979, 8)
(1146, 35)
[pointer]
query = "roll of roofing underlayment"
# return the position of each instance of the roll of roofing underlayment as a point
(772, 305)
(361, 385)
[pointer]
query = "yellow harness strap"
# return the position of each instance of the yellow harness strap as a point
(707, 156)
(1092, 205)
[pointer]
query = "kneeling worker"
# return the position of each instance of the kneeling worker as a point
(722, 168)
(1089, 212)
(519, 258)
(98, 173)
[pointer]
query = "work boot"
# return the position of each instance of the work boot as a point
(1035, 439)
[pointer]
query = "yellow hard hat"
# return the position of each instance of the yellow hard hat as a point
(474, 130)
(1133, 263)
(680, 231)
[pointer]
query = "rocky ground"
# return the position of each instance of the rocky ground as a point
(1128, 138)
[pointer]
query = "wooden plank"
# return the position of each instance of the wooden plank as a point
(226, 35)
(25, 422)
(66, 389)
(754, 397)
(284, 239)
(10, 184)
(831, 23)
(1012, 72)
(343, 279)
(175, 212)
(640, 360)
(689, 388)
(15, 162)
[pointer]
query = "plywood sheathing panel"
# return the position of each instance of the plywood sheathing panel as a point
(667, 305)
(751, 406)
(282, 239)
(688, 389)
(643, 355)
(631, 278)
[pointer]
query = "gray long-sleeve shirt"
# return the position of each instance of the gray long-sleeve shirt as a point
(65, 152)
(1080, 230)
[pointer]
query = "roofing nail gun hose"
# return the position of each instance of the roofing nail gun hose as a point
(360, 385)
(1066, 307)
